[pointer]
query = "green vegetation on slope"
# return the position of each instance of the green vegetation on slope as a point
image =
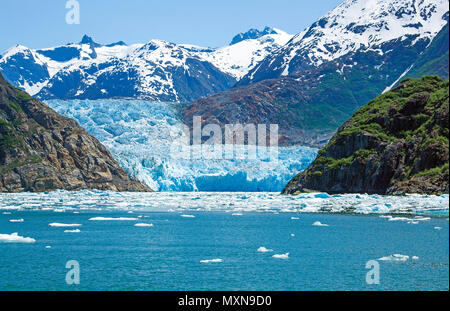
(397, 143)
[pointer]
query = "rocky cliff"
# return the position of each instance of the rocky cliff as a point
(41, 150)
(398, 143)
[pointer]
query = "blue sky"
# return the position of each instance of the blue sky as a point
(39, 24)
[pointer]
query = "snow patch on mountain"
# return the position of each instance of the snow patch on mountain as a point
(356, 25)
(239, 58)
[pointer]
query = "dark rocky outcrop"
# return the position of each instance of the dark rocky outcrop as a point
(396, 144)
(41, 150)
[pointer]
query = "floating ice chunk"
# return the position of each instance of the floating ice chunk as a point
(76, 212)
(236, 214)
(16, 220)
(262, 249)
(187, 216)
(72, 231)
(319, 224)
(143, 225)
(57, 224)
(281, 256)
(48, 246)
(292, 235)
(437, 228)
(6, 213)
(415, 257)
(394, 257)
(322, 196)
(217, 260)
(58, 210)
(295, 218)
(421, 218)
(390, 218)
(111, 218)
(15, 238)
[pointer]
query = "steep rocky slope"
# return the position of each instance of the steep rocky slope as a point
(41, 150)
(398, 143)
(434, 60)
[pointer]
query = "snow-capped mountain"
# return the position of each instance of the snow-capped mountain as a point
(245, 53)
(314, 83)
(158, 70)
(355, 25)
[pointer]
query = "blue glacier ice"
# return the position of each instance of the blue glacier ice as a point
(144, 138)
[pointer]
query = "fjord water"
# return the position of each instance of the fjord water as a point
(189, 228)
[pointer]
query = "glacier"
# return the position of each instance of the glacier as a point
(146, 138)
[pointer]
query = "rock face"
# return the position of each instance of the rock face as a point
(41, 150)
(398, 143)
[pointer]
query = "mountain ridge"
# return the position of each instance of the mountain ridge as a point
(158, 70)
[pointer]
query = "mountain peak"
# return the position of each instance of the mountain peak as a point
(253, 33)
(88, 40)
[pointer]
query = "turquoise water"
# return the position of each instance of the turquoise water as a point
(117, 255)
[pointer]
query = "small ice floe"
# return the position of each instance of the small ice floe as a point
(72, 231)
(319, 224)
(143, 225)
(57, 224)
(437, 228)
(16, 220)
(415, 257)
(130, 212)
(292, 235)
(6, 213)
(395, 257)
(413, 221)
(295, 218)
(112, 218)
(322, 196)
(58, 210)
(281, 256)
(217, 260)
(140, 216)
(48, 246)
(187, 216)
(236, 214)
(76, 212)
(15, 238)
(262, 249)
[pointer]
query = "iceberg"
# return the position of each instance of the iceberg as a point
(281, 256)
(15, 238)
(56, 224)
(112, 218)
(262, 249)
(217, 260)
(143, 225)
(319, 224)
(395, 257)
(72, 231)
